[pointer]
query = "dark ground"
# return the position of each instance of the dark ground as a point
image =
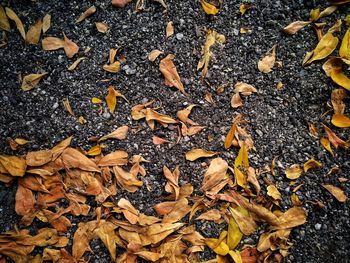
(278, 118)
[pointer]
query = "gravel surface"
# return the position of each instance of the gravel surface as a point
(278, 119)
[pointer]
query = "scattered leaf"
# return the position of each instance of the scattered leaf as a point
(154, 54)
(234, 234)
(21, 141)
(172, 78)
(31, 81)
(236, 101)
(76, 63)
(4, 22)
(34, 32)
(243, 8)
(209, 8)
(70, 48)
(294, 27)
(336, 192)
(310, 164)
(293, 172)
(46, 23)
(273, 192)
(13, 16)
(327, 145)
(340, 121)
(14, 165)
(88, 12)
(95, 150)
(95, 100)
(67, 106)
(119, 134)
(101, 27)
(215, 177)
(266, 64)
(120, 3)
(158, 141)
(334, 139)
(169, 29)
(195, 154)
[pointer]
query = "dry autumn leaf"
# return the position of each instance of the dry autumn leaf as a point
(119, 134)
(336, 192)
(323, 49)
(215, 177)
(209, 8)
(54, 43)
(293, 172)
(13, 16)
(31, 81)
(88, 12)
(334, 139)
(154, 54)
(333, 68)
(101, 27)
(243, 8)
(120, 3)
(273, 192)
(236, 101)
(266, 64)
(34, 32)
(46, 23)
(197, 153)
(76, 63)
(14, 165)
(340, 121)
(158, 141)
(327, 145)
(67, 107)
(172, 78)
(72, 158)
(294, 27)
(169, 31)
(4, 22)
(310, 164)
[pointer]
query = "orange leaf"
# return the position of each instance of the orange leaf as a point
(336, 192)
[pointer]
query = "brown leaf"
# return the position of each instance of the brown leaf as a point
(59, 148)
(293, 217)
(4, 22)
(294, 27)
(158, 141)
(169, 29)
(101, 27)
(13, 16)
(152, 115)
(327, 145)
(197, 153)
(244, 220)
(52, 43)
(119, 134)
(273, 192)
(180, 210)
(293, 172)
(120, 3)
(24, 200)
(46, 23)
(152, 56)
(31, 81)
(114, 158)
(334, 139)
(236, 101)
(336, 192)
(244, 88)
(72, 158)
(129, 211)
(33, 34)
(14, 165)
(113, 68)
(266, 64)
(67, 107)
(126, 180)
(211, 215)
(172, 78)
(311, 164)
(183, 114)
(111, 99)
(69, 47)
(88, 12)
(76, 63)
(215, 176)
(38, 158)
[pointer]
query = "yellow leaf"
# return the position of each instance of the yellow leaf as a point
(113, 68)
(242, 157)
(152, 56)
(46, 23)
(95, 150)
(326, 144)
(13, 16)
(21, 141)
(75, 63)
(52, 43)
(67, 106)
(95, 100)
(4, 22)
(243, 8)
(293, 172)
(273, 192)
(315, 14)
(111, 99)
(215, 176)
(169, 29)
(33, 34)
(88, 12)
(344, 50)
(295, 200)
(183, 114)
(172, 78)
(311, 164)
(334, 139)
(101, 27)
(340, 78)
(14, 165)
(340, 121)
(294, 27)
(236, 256)
(234, 235)
(323, 49)
(336, 192)
(194, 154)
(230, 136)
(220, 249)
(266, 64)
(244, 88)
(209, 8)
(244, 220)
(82, 120)
(31, 81)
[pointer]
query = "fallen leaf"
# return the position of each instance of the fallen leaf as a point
(111, 99)
(310, 164)
(183, 114)
(70, 48)
(158, 141)
(334, 139)
(38, 158)
(336, 192)
(214, 177)
(293, 172)
(340, 121)
(211, 38)
(46, 23)
(337, 97)
(169, 29)
(76, 63)
(236, 101)
(236, 256)
(101, 27)
(323, 49)
(126, 180)
(110, 239)
(197, 153)
(295, 200)
(4, 22)
(244, 220)
(119, 134)
(244, 88)
(14, 165)
(114, 158)
(152, 56)
(336, 27)
(273, 192)
(327, 145)
(344, 49)
(243, 8)
(211, 215)
(219, 248)
(172, 78)
(333, 68)
(52, 43)
(31, 81)
(180, 210)
(88, 12)
(34, 32)
(72, 158)
(234, 234)
(21, 141)
(120, 3)
(13, 16)
(24, 200)
(67, 107)
(294, 27)
(95, 100)
(113, 68)
(172, 185)
(95, 150)
(209, 8)
(266, 64)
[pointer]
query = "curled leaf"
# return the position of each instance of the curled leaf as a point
(340, 121)
(209, 8)
(31, 81)
(4, 22)
(169, 31)
(266, 64)
(293, 172)
(194, 154)
(152, 56)
(172, 78)
(75, 63)
(33, 34)
(336, 192)
(101, 27)
(311, 164)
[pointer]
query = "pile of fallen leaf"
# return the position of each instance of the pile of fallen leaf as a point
(60, 181)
